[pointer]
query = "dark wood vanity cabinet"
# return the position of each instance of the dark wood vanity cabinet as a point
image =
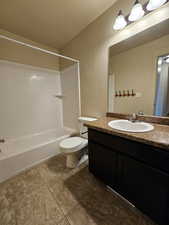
(147, 188)
(103, 166)
(135, 170)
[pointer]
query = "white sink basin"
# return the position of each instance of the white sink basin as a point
(126, 125)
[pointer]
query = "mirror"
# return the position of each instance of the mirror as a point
(138, 79)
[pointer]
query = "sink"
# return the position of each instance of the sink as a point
(126, 125)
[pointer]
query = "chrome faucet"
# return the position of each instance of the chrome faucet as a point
(133, 118)
(140, 113)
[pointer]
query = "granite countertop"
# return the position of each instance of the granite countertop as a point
(159, 137)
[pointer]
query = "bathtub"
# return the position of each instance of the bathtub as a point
(22, 153)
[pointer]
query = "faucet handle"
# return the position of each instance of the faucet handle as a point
(134, 116)
(140, 113)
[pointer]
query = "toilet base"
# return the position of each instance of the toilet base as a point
(76, 159)
(72, 160)
(84, 159)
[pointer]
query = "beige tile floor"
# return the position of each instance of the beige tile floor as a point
(51, 194)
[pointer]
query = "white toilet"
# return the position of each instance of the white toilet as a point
(73, 147)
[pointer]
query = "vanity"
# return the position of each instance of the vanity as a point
(132, 156)
(135, 165)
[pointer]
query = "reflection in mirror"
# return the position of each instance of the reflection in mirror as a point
(138, 80)
(161, 106)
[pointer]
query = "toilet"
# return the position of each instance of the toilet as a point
(73, 147)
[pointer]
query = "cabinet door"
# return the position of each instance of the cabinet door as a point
(103, 163)
(146, 187)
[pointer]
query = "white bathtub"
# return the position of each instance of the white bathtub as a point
(22, 153)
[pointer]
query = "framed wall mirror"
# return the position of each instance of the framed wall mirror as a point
(138, 79)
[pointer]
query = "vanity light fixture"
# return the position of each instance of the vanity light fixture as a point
(137, 11)
(154, 4)
(120, 21)
(167, 60)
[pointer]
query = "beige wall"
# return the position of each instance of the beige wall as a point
(13, 52)
(91, 48)
(136, 69)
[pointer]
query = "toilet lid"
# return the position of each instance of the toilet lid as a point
(71, 143)
(86, 119)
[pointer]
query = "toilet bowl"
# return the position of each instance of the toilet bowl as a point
(73, 147)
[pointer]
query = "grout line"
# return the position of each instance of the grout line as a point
(53, 196)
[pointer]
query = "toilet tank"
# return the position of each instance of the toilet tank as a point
(83, 129)
(84, 119)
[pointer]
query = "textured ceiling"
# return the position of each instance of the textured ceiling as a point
(50, 22)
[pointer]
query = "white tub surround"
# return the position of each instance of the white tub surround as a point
(70, 89)
(31, 117)
(27, 100)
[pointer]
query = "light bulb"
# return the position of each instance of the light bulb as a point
(154, 4)
(167, 60)
(160, 61)
(120, 22)
(159, 69)
(137, 12)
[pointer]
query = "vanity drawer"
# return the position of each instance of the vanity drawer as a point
(155, 157)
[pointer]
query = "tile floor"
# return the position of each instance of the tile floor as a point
(50, 194)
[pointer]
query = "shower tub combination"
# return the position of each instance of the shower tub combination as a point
(42, 104)
(19, 154)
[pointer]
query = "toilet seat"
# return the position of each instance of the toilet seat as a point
(73, 144)
(74, 147)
